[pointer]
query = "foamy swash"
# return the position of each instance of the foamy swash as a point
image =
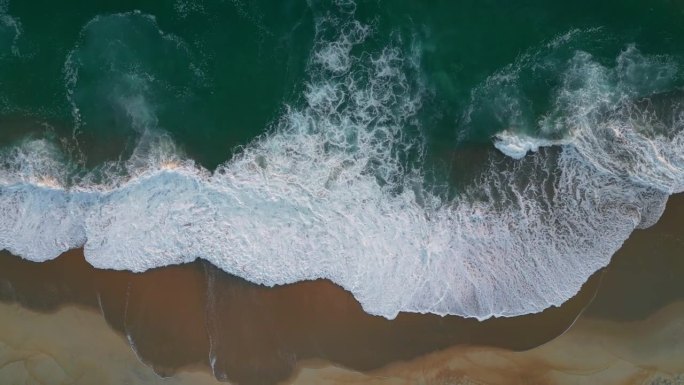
(330, 193)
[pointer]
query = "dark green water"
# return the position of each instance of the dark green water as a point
(221, 71)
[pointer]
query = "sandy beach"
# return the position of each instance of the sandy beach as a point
(75, 346)
(196, 316)
(593, 351)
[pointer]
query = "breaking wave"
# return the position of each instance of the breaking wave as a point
(335, 190)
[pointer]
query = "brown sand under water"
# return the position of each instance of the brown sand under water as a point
(75, 346)
(196, 316)
(593, 351)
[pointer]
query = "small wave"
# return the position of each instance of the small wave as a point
(518, 145)
(623, 120)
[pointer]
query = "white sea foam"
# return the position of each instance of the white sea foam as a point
(329, 193)
(620, 120)
(128, 89)
(9, 25)
(518, 145)
(184, 8)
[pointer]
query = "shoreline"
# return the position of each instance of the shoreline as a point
(74, 345)
(197, 316)
(609, 352)
(593, 351)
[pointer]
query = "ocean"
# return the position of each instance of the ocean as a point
(453, 158)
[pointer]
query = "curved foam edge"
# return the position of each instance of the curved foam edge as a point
(469, 258)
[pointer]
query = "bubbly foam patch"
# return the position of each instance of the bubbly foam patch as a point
(112, 82)
(622, 120)
(334, 191)
(518, 145)
(10, 32)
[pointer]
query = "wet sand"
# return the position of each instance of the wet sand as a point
(593, 351)
(647, 273)
(196, 316)
(73, 346)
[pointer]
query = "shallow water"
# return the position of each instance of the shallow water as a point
(195, 314)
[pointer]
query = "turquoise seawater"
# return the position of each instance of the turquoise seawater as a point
(492, 153)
